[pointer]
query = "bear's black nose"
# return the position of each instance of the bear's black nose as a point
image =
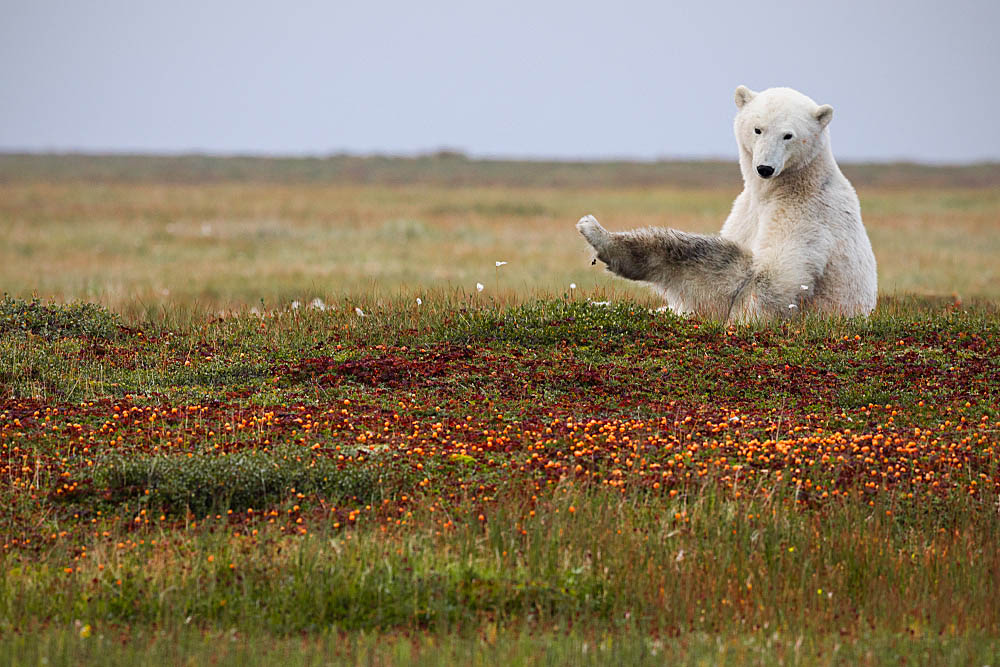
(765, 170)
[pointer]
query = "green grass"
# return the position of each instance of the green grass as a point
(195, 471)
(537, 482)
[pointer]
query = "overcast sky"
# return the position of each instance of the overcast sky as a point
(916, 80)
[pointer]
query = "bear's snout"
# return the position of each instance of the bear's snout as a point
(765, 170)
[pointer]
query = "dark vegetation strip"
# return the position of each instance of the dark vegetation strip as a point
(446, 169)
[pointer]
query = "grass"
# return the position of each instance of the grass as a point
(512, 476)
(447, 168)
(228, 243)
(605, 481)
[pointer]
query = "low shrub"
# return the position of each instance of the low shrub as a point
(53, 321)
(204, 484)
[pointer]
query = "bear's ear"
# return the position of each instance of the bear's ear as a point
(824, 115)
(743, 95)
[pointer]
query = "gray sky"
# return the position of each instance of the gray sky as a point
(916, 80)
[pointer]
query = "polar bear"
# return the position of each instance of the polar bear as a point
(794, 240)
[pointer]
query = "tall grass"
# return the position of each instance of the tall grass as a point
(234, 245)
(590, 568)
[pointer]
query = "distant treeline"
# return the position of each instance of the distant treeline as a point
(446, 169)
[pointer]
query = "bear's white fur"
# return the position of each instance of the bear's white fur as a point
(794, 239)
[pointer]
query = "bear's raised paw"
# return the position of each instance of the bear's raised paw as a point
(592, 230)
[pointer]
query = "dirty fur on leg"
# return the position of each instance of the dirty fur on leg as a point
(708, 272)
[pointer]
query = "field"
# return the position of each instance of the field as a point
(133, 233)
(260, 412)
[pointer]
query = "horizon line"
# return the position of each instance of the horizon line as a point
(456, 154)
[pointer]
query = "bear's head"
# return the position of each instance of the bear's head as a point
(779, 129)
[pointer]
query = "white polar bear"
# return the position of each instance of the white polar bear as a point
(793, 241)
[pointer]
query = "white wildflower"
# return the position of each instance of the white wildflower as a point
(599, 303)
(792, 306)
(480, 287)
(296, 305)
(572, 285)
(360, 312)
(419, 302)
(318, 304)
(499, 264)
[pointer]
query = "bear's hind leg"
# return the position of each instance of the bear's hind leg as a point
(596, 235)
(705, 273)
(635, 255)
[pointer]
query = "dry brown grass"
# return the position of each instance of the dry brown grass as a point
(233, 244)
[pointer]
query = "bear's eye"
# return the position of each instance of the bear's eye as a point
(788, 136)
(756, 130)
